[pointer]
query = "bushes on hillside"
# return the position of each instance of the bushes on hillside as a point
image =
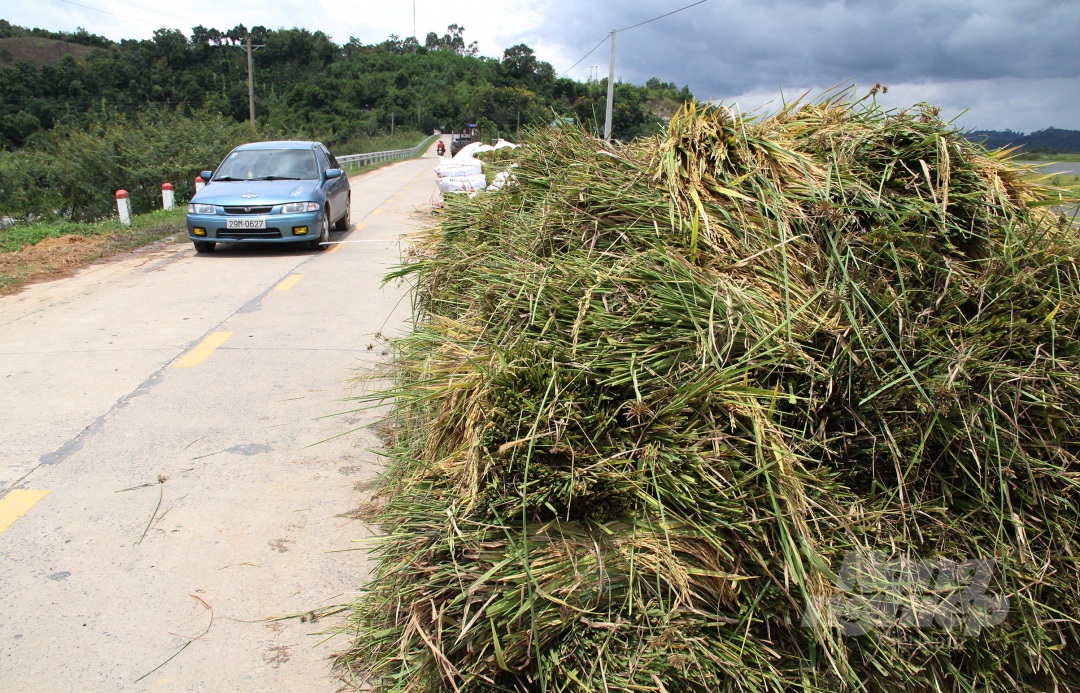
(74, 172)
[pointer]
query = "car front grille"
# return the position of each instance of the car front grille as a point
(249, 210)
(247, 234)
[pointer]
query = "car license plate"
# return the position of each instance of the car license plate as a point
(250, 223)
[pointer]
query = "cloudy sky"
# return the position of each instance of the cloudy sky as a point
(1008, 63)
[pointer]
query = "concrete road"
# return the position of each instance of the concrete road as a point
(163, 485)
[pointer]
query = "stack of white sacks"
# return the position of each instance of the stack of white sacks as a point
(465, 173)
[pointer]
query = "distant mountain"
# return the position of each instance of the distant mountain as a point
(1049, 140)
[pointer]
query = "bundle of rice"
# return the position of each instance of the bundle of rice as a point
(774, 404)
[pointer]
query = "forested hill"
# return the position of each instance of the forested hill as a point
(1048, 141)
(304, 82)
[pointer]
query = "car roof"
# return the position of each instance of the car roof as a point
(281, 144)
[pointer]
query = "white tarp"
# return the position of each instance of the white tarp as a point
(503, 144)
(456, 184)
(468, 151)
(484, 148)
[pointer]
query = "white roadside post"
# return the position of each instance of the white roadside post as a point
(166, 196)
(123, 206)
(199, 183)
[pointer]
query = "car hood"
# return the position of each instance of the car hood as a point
(265, 192)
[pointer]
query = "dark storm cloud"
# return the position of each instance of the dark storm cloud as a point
(728, 47)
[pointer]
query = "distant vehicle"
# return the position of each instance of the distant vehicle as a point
(469, 134)
(271, 192)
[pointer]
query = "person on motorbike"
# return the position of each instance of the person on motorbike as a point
(442, 148)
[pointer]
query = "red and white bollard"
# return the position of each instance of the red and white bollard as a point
(199, 183)
(123, 206)
(166, 196)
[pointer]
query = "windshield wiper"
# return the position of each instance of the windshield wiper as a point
(275, 178)
(227, 178)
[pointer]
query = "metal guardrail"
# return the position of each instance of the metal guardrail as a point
(351, 161)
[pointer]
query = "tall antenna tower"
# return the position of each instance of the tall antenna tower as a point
(414, 19)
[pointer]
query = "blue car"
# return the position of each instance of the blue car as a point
(271, 192)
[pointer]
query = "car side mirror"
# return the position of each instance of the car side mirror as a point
(333, 173)
(206, 176)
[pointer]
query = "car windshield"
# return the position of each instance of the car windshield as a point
(269, 164)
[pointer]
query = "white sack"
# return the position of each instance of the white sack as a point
(501, 179)
(503, 144)
(455, 184)
(459, 167)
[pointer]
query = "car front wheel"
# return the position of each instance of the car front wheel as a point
(204, 246)
(324, 235)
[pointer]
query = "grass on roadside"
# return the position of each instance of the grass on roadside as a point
(1063, 180)
(360, 170)
(379, 143)
(42, 251)
(1067, 182)
(1057, 156)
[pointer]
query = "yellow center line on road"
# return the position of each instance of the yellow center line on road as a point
(377, 211)
(16, 504)
(205, 348)
(333, 249)
(289, 282)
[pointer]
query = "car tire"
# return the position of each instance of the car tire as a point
(204, 246)
(324, 234)
(345, 221)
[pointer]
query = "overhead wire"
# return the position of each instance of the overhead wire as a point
(586, 55)
(94, 9)
(699, 2)
(155, 11)
(633, 26)
(145, 8)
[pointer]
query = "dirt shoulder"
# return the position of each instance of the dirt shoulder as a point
(69, 247)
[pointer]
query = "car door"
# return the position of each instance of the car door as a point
(327, 183)
(339, 186)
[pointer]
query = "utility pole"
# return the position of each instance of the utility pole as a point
(251, 85)
(251, 79)
(414, 22)
(392, 124)
(610, 89)
(517, 133)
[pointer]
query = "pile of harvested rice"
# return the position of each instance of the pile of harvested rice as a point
(784, 403)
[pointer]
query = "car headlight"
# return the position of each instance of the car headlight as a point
(201, 209)
(300, 207)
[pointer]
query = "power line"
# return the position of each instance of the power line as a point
(634, 26)
(94, 9)
(586, 55)
(665, 15)
(151, 9)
